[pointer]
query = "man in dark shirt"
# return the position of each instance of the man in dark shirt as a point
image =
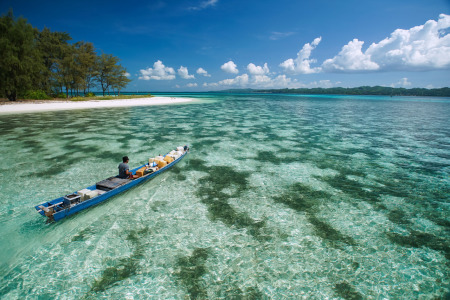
(124, 169)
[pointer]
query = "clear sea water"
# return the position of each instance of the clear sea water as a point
(281, 197)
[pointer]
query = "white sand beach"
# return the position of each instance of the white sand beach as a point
(40, 106)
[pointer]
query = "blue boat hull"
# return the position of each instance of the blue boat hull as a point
(65, 212)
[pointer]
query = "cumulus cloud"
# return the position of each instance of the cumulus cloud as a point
(302, 64)
(261, 79)
(192, 85)
(279, 82)
(351, 58)
(424, 47)
(203, 72)
(241, 80)
(126, 74)
(402, 83)
(184, 73)
(257, 70)
(158, 72)
(230, 67)
(256, 81)
(210, 84)
(204, 4)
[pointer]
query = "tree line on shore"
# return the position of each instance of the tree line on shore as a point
(364, 90)
(38, 64)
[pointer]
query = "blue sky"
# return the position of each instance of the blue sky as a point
(203, 45)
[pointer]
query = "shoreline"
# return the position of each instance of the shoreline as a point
(43, 106)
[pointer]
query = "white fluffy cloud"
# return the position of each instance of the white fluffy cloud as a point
(241, 80)
(210, 84)
(203, 72)
(279, 82)
(126, 74)
(238, 81)
(230, 67)
(302, 64)
(192, 85)
(257, 70)
(158, 72)
(268, 82)
(184, 73)
(402, 83)
(424, 47)
(256, 81)
(351, 58)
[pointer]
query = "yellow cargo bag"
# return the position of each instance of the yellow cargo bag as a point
(168, 159)
(140, 172)
(161, 163)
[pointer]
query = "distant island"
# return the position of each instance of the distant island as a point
(362, 90)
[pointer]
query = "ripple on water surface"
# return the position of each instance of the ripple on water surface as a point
(280, 197)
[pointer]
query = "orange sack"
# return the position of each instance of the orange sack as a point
(168, 159)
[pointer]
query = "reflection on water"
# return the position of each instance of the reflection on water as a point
(280, 197)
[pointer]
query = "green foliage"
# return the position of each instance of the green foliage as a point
(34, 60)
(60, 95)
(78, 99)
(89, 95)
(362, 90)
(37, 95)
(110, 73)
(50, 45)
(21, 62)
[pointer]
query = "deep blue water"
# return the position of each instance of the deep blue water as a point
(282, 196)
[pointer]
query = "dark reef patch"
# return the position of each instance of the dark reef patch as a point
(268, 157)
(397, 216)
(222, 177)
(417, 239)
(83, 234)
(178, 175)
(347, 291)
(190, 272)
(220, 209)
(74, 147)
(34, 146)
(56, 167)
(106, 154)
(196, 164)
(301, 197)
(205, 143)
(234, 292)
(328, 233)
(156, 205)
(355, 189)
(211, 194)
(122, 268)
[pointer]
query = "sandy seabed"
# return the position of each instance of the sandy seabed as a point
(12, 108)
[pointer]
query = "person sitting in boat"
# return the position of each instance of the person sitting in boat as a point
(124, 169)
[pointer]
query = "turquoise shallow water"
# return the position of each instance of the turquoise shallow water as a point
(282, 196)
